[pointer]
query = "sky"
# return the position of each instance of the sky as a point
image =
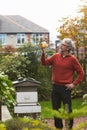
(45, 13)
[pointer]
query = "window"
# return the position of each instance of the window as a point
(36, 38)
(3, 38)
(21, 38)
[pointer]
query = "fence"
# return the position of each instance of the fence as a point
(84, 65)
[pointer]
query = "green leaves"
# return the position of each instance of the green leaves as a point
(6, 90)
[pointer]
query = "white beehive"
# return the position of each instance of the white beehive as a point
(26, 96)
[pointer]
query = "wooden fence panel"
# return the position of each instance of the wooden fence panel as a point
(84, 65)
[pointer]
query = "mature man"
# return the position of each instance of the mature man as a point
(64, 66)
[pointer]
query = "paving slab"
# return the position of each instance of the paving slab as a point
(5, 114)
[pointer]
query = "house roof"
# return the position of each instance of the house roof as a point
(19, 24)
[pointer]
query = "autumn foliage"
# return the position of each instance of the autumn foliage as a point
(7, 49)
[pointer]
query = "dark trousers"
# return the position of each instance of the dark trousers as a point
(61, 94)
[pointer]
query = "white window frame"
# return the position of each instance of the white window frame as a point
(21, 37)
(3, 38)
(36, 38)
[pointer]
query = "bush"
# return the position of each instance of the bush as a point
(2, 127)
(6, 92)
(26, 124)
(85, 99)
(14, 124)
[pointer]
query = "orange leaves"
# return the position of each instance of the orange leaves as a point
(7, 49)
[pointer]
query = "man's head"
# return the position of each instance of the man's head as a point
(67, 44)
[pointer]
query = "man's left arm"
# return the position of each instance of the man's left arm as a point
(80, 72)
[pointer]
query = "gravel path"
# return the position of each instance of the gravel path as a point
(76, 122)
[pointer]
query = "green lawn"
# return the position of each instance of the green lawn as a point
(45, 105)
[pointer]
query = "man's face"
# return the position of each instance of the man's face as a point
(64, 47)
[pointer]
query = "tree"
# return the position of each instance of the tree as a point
(14, 66)
(26, 63)
(70, 28)
(75, 28)
(36, 70)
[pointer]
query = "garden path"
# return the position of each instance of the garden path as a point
(77, 121)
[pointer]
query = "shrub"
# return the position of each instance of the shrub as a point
(14, 124)
(2, 127)
(85, 99)
(26, 124)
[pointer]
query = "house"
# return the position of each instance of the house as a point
(16, 30)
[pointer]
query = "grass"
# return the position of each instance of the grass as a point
(45, 105)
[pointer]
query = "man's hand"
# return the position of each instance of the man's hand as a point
(43, 50)
(44, 45)
(70, 86)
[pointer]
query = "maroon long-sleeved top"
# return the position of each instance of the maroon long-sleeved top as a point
(63, 69)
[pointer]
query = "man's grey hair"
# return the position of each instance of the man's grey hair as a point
(70, 43)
